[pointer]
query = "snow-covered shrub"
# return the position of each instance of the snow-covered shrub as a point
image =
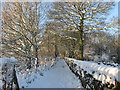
(7, 70)
(105, 57)
(97, 58)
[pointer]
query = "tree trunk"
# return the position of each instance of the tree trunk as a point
(36, 56)
(73, 49)
(56, 48)
(48, 45)
(3, 84)
(81, 41)
(81, 48)
(56, 51)
(4, 71)
(15, 80)
(29, 63)
(71, 54)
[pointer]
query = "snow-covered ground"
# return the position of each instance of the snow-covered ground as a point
(0, 84)
(58, 76)
(7, 62)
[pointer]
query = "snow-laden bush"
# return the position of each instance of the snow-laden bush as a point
(7, 69)
(105, 57)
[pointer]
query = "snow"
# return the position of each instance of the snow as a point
(105, 57)
(0, 84)
(9, 64)
(103, 72)
(58, 76)
(5, 60)
(8, 61)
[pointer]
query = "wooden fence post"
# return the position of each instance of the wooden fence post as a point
(15, 79)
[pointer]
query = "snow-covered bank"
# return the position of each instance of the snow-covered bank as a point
(59, 76)
(100, 72)
(6, 69)
(8, 60)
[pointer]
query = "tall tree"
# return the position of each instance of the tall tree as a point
(22, 28)
(82, 17)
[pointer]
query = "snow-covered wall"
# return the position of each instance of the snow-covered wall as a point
(103, 73)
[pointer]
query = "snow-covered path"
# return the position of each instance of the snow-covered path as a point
(59, 76)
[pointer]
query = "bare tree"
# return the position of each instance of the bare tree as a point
(82, 17)
(22, 28)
